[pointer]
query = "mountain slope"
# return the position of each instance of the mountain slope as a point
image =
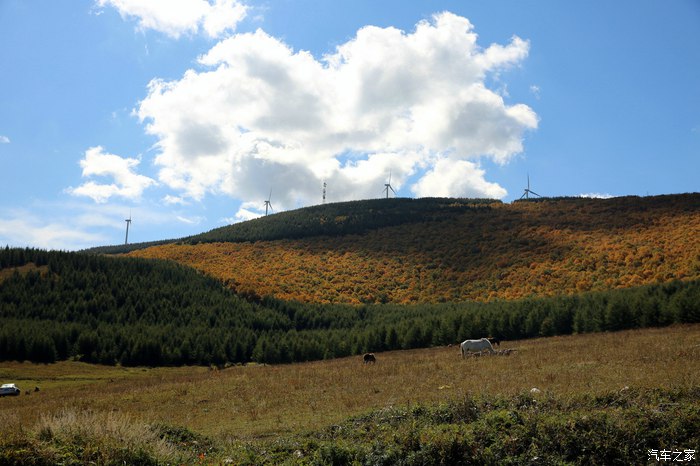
(449, 250)
(333, 219)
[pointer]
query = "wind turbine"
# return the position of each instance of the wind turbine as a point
(387, 187)
(128, 222)
(528, 191)
(268, 203)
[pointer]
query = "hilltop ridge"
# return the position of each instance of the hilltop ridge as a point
(437, 250)
(332, 219)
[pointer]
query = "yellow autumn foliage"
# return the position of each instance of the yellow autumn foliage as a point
(508, 251)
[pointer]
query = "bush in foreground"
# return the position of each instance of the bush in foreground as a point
(620, 427)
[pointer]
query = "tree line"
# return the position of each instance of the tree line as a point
(132, 311)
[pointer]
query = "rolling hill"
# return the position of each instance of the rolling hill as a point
(286, 289)
(355, 277)
(450, 250)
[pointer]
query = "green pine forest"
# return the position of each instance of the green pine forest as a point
(131, 311)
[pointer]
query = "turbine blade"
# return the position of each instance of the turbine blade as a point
(392, 189)
(533, 192)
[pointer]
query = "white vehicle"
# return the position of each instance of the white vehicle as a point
(9, 389)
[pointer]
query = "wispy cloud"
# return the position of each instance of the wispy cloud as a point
(72, 224)
(597, 195)
(190, 220)
(4, 139)
(245, 212)
(174, 200)
(20, 228)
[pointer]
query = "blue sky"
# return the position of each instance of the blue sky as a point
(186, 114)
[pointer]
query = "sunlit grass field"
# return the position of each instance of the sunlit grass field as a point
(248, 402)
(109, 415)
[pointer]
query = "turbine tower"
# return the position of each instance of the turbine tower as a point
(324, 192)
(528, 191)
(128, 222)
(387, 187)
(268, 203)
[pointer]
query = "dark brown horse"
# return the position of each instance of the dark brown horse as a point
(369, 358)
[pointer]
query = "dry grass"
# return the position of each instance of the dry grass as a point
(22, 270)
(102, 433)
(260, 401)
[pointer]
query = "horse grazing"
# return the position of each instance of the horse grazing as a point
(476, 346)
(369, 358)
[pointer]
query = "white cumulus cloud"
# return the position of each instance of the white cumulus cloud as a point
(177, 17)
(258, 115)
(459, 178)
(126, 182)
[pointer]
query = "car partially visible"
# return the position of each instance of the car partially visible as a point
(9, 389)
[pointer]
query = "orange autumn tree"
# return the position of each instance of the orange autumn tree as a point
(503, 251)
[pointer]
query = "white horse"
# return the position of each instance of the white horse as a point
(476, 345)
